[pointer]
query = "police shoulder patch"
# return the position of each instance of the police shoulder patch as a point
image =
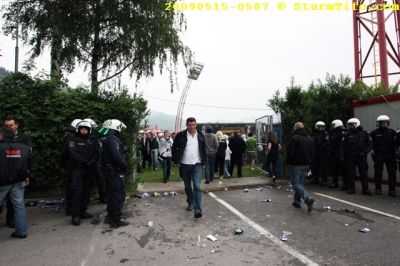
(71, 144)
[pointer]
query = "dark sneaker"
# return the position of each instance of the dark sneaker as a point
(86, 215)
(333, 185)
(197, 214)
(296, 205)
(189, 207)
(351, 191)
(310, 203)
(14, 235)
(76, 221)
(207, 182)
(367, 192)
(392, 193)
(343, 188)
(323, 184)
(378, 191)
(119, 223)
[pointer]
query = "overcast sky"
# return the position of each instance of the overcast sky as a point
(247, 55)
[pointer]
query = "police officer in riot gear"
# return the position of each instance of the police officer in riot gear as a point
(96, 169)
(114, 167)
(383, 140)
(65, 163)
(83, 154)
(320, 158)
(336, 164)
(355, 147)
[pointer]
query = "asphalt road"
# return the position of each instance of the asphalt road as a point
(176, 238)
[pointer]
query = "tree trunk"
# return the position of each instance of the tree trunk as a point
(55, 54)
(94, 75)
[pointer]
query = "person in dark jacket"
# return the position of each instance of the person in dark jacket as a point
(319, 166)
(83, 155)
(355, 147)
(114, 168)
(337, 165)
(191, 155)
(383, 141)
(220, 155)
(154, 146)
(19, 137)
(238, 148)
(145, 149)
(299, 158)
(14, 176)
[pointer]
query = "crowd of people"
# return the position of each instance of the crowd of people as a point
(91, 153)
(223, 152)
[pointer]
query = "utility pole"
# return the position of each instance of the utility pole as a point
(16, 47)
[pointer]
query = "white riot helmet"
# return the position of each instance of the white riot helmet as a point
(82, 124)
(75, 122)
(382, 118)
(337, 123)
(91, 121)
(353, 122)
(114, 124)
(319, 124)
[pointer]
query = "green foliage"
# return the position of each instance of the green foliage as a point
(106, 36)
(45, 109)
(323, 101)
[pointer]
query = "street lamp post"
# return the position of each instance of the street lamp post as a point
(194, 74)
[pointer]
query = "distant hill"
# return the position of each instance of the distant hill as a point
(164, 121)
(3, 72)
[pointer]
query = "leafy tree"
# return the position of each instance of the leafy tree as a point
(324, 100)
(106, 36)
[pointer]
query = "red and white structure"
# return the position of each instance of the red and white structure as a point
(377, 41)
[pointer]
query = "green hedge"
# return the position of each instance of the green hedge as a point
(45, 109)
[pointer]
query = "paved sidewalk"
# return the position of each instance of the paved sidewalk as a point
(216, 185)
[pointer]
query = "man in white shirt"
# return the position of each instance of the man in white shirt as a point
(191, 157)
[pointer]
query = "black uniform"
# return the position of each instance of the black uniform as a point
(320, 160)
(383, 140)
(83, 155)
(95, 170)
(356, 146)
(114, 167)
(336, 164)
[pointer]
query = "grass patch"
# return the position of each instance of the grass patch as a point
(149, 176)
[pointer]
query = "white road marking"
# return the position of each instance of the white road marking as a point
(359, 206)
(93, 240)
(263, 231)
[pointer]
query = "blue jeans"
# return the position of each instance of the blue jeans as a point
(166, 164)
(154, 159)
(16, 194)
(297, 175)
(210, 162)
(192, 173)
(226, 168)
